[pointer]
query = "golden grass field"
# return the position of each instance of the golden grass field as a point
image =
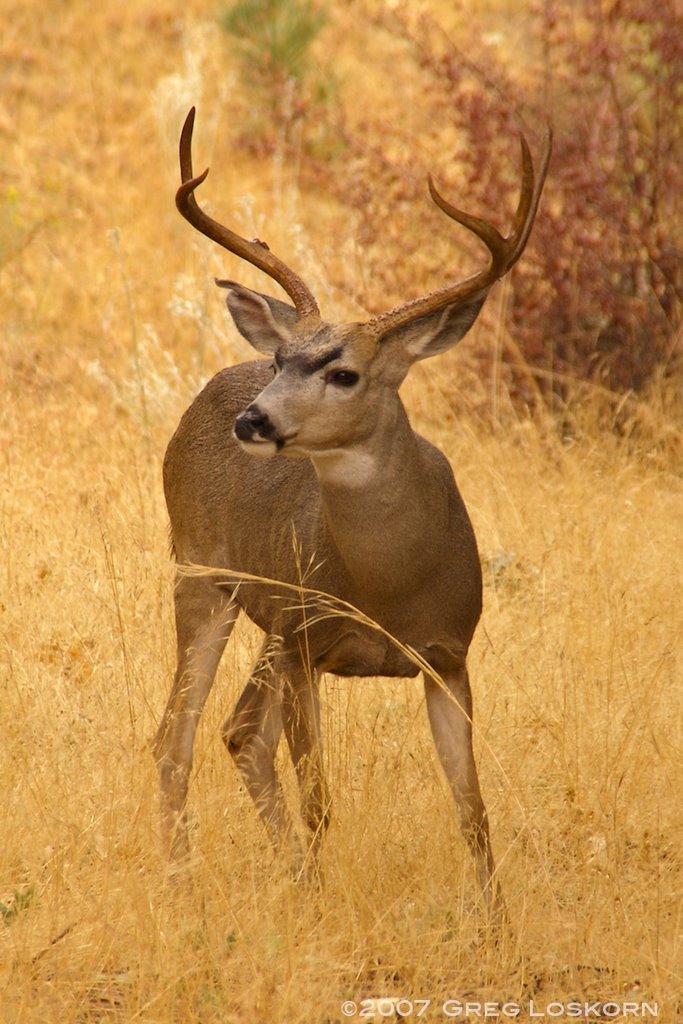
(110, 325)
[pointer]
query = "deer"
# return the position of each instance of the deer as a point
(339, 531)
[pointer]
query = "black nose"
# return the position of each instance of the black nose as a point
(252, 421)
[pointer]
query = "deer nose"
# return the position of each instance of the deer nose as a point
(252, 421)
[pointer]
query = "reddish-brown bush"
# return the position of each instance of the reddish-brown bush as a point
(599, 294)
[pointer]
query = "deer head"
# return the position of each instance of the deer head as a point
(329, 379)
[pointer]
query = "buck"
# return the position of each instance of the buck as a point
(336, 528)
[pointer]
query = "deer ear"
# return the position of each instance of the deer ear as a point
(265, 322)
(435, 332)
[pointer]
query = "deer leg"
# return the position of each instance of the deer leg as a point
(251, 736)
(301, 717)
(449, 706)
(205, 616)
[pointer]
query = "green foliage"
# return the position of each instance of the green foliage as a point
(274, 40)
(16, 904)
(274, 37)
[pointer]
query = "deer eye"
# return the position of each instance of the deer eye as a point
(343, 378)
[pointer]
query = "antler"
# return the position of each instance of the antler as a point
(257, 253)
(504, 251)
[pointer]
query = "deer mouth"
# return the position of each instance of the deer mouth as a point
(256, 444)
(260, 446)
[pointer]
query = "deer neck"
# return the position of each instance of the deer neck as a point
(379, 502)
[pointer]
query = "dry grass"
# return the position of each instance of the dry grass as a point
(109, 326)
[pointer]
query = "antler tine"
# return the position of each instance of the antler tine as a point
(185, 148)
(490, 236)
(525, 216)
(257, 253)
(504, 251)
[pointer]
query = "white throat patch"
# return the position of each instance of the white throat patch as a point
(344, 467)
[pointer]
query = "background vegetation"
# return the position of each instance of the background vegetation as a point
(560, 413)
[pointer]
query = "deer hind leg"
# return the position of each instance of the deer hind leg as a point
(449, 707)
(301, 717)
(251, 736)
(205, 615)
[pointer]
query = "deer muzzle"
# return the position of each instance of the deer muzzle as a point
(256, 433)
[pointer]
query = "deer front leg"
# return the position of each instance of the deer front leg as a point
(251, 736)
(205, 616)
(301, 716)
(449, 706)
